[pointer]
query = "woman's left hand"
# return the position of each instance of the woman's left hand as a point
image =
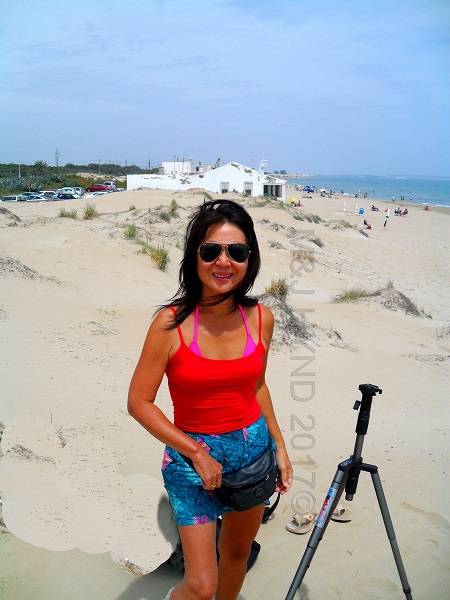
(284, 472)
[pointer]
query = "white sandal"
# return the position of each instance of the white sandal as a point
(301, 523)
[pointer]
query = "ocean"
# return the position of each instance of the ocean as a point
(434, 191)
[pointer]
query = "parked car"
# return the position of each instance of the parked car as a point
(25, 194)
(13, 198)
(35, 198)
(67, 196)
(79, 190)
(110, 185)
(50, 194)
(96, 187)
(68, 190)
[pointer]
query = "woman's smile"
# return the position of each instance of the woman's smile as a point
(223, 273)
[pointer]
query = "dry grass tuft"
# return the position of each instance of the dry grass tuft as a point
(388, 296)
(278, 288)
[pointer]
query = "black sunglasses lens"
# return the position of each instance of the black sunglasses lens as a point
(238, 252)
(210, 252)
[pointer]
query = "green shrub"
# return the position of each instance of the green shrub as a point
(90, 211)
(165, 216)
(132, 207)
(70, 214)
(278, 288)
(352, 295)
(313, 218)
(130, 232)
(158, 254)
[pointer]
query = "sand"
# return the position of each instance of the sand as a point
(83, 503)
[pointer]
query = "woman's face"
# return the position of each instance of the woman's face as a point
(222, 274)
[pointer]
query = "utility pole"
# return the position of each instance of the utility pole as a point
(19, 170)
(99, 166)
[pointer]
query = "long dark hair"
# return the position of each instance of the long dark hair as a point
(189, 291)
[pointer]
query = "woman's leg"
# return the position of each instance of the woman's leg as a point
(200, 560)
(236, 536)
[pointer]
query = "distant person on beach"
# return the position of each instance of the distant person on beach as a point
(212, 342)
(386, 218)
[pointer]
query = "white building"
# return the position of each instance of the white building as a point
(179, 166)
(232, 177)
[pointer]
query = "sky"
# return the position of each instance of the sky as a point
(310, 86)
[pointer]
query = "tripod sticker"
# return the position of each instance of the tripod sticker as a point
(328, 503)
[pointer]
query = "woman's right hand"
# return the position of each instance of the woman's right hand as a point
(208, 469)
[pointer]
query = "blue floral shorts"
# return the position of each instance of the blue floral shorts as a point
(191, 503)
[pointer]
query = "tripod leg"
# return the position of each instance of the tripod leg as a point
(390, 531)
(331, 500)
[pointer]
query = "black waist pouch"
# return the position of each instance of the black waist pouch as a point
(250, 486)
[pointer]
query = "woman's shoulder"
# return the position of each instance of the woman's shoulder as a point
(163, 320)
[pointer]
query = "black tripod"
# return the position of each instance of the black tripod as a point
(346, 477)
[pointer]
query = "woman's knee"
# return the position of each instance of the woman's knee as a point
(237, 553)
(202, 585)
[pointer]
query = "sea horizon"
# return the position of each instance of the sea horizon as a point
(432, 190)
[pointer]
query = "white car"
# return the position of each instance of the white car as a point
(13, 198)
(36, 198)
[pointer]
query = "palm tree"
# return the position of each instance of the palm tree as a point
(40, 167)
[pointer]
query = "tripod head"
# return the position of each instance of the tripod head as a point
(368, 391)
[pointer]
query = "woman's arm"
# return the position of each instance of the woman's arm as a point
(265, 402)
(159, 344)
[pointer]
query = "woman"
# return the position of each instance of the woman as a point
(212, 342)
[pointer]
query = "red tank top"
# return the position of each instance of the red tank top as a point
(214, 396)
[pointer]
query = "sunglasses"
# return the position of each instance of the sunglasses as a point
(210, 251)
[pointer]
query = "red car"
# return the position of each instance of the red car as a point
(96, 187)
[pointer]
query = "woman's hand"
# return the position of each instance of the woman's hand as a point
(284, 472)
(209, 470)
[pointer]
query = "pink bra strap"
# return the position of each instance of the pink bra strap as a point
(194, 339)
(246, 324)
(244, 319)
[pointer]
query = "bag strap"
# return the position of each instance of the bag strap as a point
(269, 510)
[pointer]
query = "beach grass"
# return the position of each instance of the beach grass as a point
(130, 232)
(351, 295)
(90, 211)
(278, 288)
(159, 254)
(70, 214)
(388, 296)
(304, 256)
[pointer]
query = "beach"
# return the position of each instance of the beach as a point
(83, 501)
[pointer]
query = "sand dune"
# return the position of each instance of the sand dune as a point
(80, 480)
